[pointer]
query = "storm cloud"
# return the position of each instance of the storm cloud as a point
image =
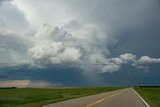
(81, 34)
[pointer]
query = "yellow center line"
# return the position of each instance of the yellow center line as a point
(101, 100)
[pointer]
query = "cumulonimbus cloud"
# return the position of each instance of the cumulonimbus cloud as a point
(56, 45)
(74, 43)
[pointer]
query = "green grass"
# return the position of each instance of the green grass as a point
(150, 94)
(33, 97)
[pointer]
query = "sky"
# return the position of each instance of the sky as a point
(74, 43)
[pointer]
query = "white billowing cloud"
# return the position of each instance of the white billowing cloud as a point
(49, 33)
(110, 68)
(143, 61)
(80, 46)
(70, 54)
(148, 60)
(27, 83)
(45, 49)
(117, 60)
(128, 57)
(115, 63)
(83, 42)
(55, 45)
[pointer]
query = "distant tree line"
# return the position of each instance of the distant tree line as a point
(8, 87)
(148, 86)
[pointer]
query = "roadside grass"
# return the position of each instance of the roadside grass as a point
(36, 97)
(150, 94)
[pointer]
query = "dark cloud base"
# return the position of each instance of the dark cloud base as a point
(126, 76)
(113, 28)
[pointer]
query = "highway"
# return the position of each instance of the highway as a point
(119, 98)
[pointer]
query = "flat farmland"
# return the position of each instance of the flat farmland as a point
(150, 94)
(36, 97)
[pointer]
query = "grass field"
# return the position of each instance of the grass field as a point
(150, 94)
(32, 97)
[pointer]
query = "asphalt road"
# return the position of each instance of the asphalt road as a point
(119, 98)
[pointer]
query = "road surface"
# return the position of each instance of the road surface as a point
(119, 98)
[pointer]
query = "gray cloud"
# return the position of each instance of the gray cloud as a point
(12, 18)
(13, 48)
(54, 45)
(148, 60)
(83, 39)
